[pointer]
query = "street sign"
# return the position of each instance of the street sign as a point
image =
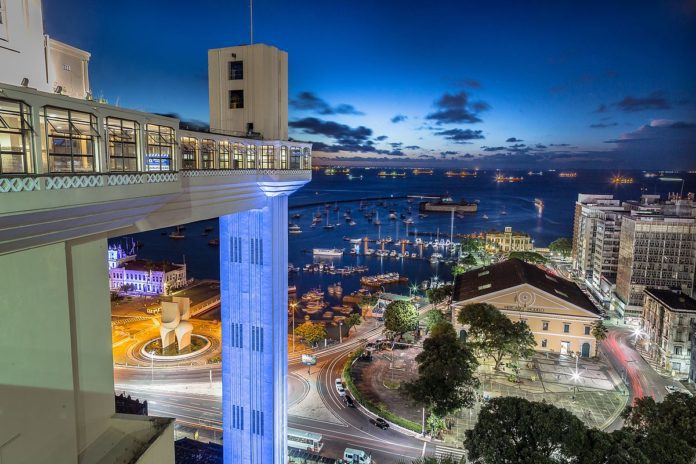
(309, 360)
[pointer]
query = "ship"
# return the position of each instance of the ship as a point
(466, 173)
(418, 171)
(618, 179)
(532, 173)
(447, 205)
(294, 229)
(327, 251)
(502, 178)
(539, 203)
(177, 234)
(451, 174)
(391, 174)
(569, 174)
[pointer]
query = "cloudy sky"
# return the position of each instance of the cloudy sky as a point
(442, 83)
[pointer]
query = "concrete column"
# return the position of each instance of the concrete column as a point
(253, 274)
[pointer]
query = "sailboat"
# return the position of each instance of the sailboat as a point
(377, 222)
(177, 234)
(328, 226)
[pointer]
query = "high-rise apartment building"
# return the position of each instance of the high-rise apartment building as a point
(654, 251)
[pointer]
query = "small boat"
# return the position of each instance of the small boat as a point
(296, 216)
(208, 229)
(392, 216)
(327, 251)
(294, 229)
(292, 289)
(352, 223)
(408, 220)
(539, 203)
(485, 216)
(177, 234)
(214, 242)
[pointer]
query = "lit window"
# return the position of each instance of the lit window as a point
(295, 158)
(160, 146)
(238, 156)
(189, 147)
(550, 278)
(122, 144)
(283, 157)
(236, 99)
(267, 154)
(484, 286)
(236, 70)
(71, 140)
(224, 150)
(560, 292)
(545, 325)
(481, 274)
(251, 157)
(208, 148)
(15, 136)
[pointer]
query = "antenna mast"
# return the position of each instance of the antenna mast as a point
(251, 22)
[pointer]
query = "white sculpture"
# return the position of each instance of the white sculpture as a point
(175, 325)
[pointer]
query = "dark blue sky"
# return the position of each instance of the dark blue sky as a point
(504, 84)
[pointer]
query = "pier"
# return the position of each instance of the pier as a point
(392, 197)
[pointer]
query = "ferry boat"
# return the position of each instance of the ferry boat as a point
(618, 179)
(327, 251)
(467, 173)
(294, 229)
(539, 203)
(451, 174)
(418, 171)
(447, 205)
(352, 223)
(532, 173)
(568, 174)
(391, 174)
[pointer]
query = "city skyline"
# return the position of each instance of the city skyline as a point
(536, 86)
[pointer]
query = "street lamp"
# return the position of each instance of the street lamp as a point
(340, 333)
(575, 376)
(293, 305)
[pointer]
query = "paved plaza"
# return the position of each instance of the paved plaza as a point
(597, 397)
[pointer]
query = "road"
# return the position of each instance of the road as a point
(201, 412)
(641, 378)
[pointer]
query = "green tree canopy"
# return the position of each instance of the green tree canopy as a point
(400, 317)
(528, 257)
(432, 318)
(675, 416)
(472, 245)
(353, 320)
(496, 335)
(562, 245)
(312, 333)
(446, 369)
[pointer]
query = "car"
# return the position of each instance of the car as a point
(341, 391)
(339, 383)
(379, 422)
(349, 401)
(671, 388)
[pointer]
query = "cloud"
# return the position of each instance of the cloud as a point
(396, 144)
(560, 145)
(431, 157)
(457, 108)
(654, 101)
(308, 101)
(399, 118)
(412, 147)
(517, 145)
(381, 138)
(448, 153)
(485, 148)
(602, 125)
(513, 140)
(602, 108)
(461, 135)
(540, 146)
(471, 83)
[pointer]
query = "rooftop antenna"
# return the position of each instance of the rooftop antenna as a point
(251, 22)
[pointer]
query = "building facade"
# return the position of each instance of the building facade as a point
(147, 278)
(558, 313)
(508, 241)
(656, 252)
(668, 319)
(75, 172)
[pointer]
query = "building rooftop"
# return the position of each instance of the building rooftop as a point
(145, 265)
(674, 300)
(513, 272)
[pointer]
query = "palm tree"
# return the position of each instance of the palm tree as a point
(599, 332)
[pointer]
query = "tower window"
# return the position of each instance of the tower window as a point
(236, 70)
(236, 99)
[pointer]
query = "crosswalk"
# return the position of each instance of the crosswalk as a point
(441, 452)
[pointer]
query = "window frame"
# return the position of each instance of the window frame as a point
(224, 154)
(159, 142)
(267, 158)
(72, 134)
(111, 139)
(208, 162)
(284, 157)
(250, 159)
(3, 21)
(237, 105)
(189, 159)
(235, 74)
(24, 132)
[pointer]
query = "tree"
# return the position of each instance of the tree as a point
(528, 257)
(514, 430)
(472, 245)
(496, 335)
(312, 333)
(467, 261)
(432, 318)
(400, 317)
(675, 417)
(459, 268)
(435, 296)
(353, 320)
(435, 424)
(446, 369)
(562, 245)
(599, 332)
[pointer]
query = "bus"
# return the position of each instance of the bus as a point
(307, 441)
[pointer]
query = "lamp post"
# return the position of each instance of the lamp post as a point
(152, 366)
(293, 305)
(575, 376)
(340, 332)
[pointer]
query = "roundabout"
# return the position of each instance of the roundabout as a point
(153, 349)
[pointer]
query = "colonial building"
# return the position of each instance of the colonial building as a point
(668, 321)
(559, 314)
(507, 241)
(146, 277)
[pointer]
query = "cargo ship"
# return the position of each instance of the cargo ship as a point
(502, 178)
(451, 174)
(391, 174)
(327, 251)
(418, 171)
(569, 174)
(447, 205)
(621, 180)
(467, 173)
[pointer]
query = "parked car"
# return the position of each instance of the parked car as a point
(379, 422)
(349, 401)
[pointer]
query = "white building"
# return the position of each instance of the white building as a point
(146, 277)
(668, 320)
(75, 172)
(508, 241)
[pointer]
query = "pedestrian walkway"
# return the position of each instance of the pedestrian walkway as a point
(442, 452)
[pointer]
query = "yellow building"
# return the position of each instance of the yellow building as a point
(558, 313)
(507, 241)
